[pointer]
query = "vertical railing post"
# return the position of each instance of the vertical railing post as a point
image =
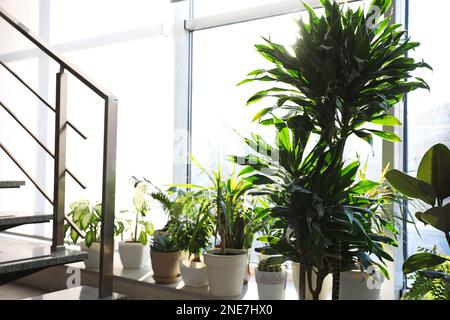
(108, 198)
(60, 161)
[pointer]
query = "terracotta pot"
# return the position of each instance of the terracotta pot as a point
(165, 265)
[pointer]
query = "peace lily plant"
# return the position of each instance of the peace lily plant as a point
(134, 252)
(346, 70)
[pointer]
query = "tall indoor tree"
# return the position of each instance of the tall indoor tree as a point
(347, 68)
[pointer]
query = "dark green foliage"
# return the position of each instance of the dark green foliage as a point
(164, 242)
(434, 286)
(340, 75)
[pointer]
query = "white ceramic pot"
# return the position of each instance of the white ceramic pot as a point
(194, 274)
(93, 261)
(327, 284)
(226, 272)
(355, 285)
(133, 255)
(271, 285)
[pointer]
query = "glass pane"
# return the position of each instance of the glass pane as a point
(222, 58)
(428, 112)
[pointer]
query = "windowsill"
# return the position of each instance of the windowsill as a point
(143, 277)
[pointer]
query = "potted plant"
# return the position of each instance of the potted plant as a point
(342, 73)
(165, 256)
(193, 230)
(271, 278)
(134, 253)
(236, 221)
(431, 188)
(88, 219)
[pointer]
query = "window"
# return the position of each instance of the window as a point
(428, 112)
(125, 49)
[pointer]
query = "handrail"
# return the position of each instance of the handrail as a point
(25, 31)
(106, 275)
(38, 187)
(39, 142)
(47, 104)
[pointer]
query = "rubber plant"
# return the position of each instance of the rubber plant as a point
(348, 68)
(431, 187)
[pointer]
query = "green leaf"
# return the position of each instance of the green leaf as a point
(149, 227)
(434, 169)
(411, 187)
(437, 216)
(364, 186)
(386, 120)
(386, 135)
(421, 261)
(89, 239)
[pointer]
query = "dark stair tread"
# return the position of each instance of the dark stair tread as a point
(17, 218)
(22, 256)
(76, 293)
(11, 184)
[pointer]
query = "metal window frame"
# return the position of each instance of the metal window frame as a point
(251, 14)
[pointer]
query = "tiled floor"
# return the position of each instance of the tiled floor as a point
(16, 292)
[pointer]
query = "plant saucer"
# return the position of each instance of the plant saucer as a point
(167, 280)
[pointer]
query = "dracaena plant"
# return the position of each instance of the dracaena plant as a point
(313, 200)
(346, 70)
(432, 188)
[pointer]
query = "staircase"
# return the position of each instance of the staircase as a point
(21, 258)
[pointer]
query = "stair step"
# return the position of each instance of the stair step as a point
(11, 184)
(21, 258)
(13, 219)
(76, 293)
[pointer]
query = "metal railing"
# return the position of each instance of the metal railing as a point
(59, 154)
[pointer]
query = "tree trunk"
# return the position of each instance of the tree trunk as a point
(337, 272)
(302, 282)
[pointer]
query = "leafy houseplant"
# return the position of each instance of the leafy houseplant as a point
(193, 230)
(432, 187)
(236, 222)
(308, 220)
(134, 253)
(87, 218)
(271, 278)
(346, 69)
(428, 288)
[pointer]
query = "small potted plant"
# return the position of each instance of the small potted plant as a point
(88, 220)
(134, 253)
(271, 278)
(165, 256)
(194, 232)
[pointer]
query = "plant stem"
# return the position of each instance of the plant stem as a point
(337, 272)
(136, 228)
(302, 282)
(197, 258)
